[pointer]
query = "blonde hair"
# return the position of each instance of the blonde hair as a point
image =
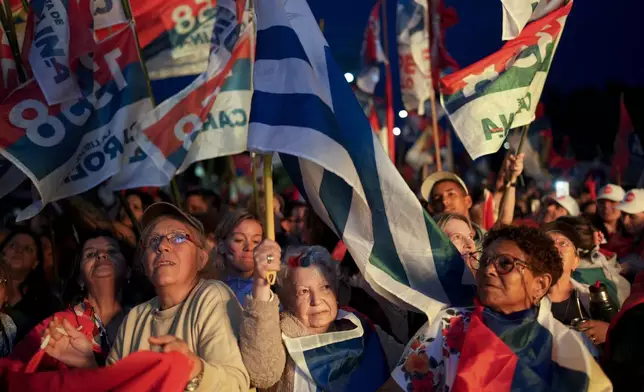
(443, 218)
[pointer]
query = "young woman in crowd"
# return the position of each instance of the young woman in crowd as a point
(299, 348)
(31, 300)
(516, 269)
(237, 235)
(196, 317)
(95, 307)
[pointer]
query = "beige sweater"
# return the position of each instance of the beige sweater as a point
(268, 363)
(208, 321)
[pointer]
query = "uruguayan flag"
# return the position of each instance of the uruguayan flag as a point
(303, 108)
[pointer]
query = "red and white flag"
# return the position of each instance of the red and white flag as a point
(8, 73)
(372, 53)
(208, 118)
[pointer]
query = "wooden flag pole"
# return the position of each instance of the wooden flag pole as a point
(174, 188)
(253, 173)
(389, 95)
(268, 200)
(432, 95)
(6, 18)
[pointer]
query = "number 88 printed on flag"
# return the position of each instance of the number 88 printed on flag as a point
(69, 148)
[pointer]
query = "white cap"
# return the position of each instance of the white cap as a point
(568, 203)
(633, 202)
(611, 192)
(432, 179)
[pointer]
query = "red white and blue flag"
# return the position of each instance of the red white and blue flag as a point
(69, 148)
(373, 54)
(8, 73)
(488, 98)
(58, 45)
(208, 118)
(108, 13)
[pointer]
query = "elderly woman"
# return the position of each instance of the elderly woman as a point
(509, 339)
(237, 235)
(96, 311)
(312, 345)
(189, 315)
(459, 231)
(570, 298)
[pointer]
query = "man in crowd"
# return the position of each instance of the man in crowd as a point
(201, 201)
(632, 254)
(447, 192)
(607, 219)
(293, 224)
(555, 207)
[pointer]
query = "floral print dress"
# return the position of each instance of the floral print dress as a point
(430, 359)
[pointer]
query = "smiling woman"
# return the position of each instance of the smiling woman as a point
(196, 317)
(302, 347)
(510, 322)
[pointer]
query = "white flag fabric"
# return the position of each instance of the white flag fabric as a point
(413, 52)
(517, 13)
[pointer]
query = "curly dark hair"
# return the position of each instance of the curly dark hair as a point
(543, 256)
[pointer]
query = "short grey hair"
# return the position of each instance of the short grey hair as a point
(443, 218)
(310, 256)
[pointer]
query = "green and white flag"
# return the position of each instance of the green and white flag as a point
(517, 13)
(488, 98)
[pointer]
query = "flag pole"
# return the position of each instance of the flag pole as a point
(269, 214)
(389, 95)
(174, 188)
(506, 189)
(432, 95)
(6, 18)
(135, 223)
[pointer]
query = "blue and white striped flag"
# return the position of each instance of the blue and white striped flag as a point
(303, 108)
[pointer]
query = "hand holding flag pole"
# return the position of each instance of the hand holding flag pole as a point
(506, 187)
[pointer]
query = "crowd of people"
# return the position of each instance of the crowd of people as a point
(194, 279)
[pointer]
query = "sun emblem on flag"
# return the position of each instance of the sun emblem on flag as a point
(488, 74)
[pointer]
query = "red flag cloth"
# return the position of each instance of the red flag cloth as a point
(141, 371)
(488, 211)
(486, 363)
(339, 251)
(30, 345)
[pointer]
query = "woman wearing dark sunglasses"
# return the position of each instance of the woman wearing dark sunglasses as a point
(94, 309)
(509, 340)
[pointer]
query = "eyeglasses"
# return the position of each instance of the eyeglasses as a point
(175, 238)
(504, 264)
(3, 281)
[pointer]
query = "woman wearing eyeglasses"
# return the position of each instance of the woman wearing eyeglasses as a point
(199, 318)
(95, 309)
(459, 231)
(509, 340)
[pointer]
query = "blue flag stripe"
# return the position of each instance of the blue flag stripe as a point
(290, 46)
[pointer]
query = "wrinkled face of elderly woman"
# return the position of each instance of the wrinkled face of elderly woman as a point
(313, 300)
(172, 253)
(504, 280)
